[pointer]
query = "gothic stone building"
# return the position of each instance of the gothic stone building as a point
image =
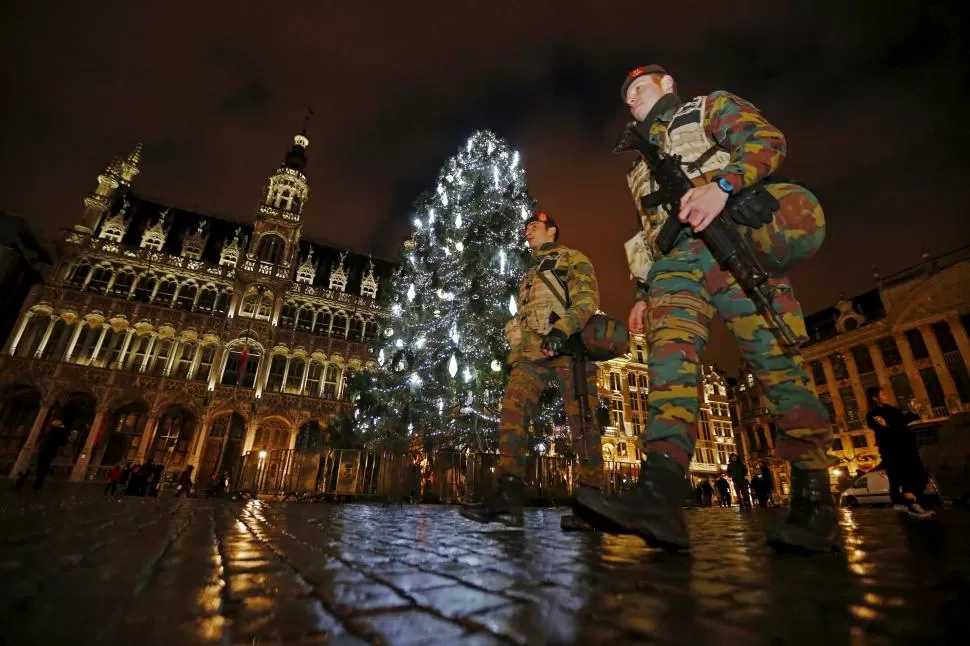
(181, 338)
(908, 335)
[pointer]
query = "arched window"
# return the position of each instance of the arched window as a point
(294, 376)
(207, 356)
(330, 381)
(339, 327)
(322, 325)
(183, 360)
(356, 332)
(207, 299)
(270, 249)
(86, 341)
(304, 321)
(114, 341)
(173, 436)
(257, 304)
(310, 437)
(33, 334)
(125, 428)
(186, 296)
(124, 279)
(222, 302)
(145, 288)
(137, 351)
(370, 330)
(313, 378)
(160, 356)
(79, 274)
(59, 339)
(100, 277)
(166, 291)
(288, 314)
(242, 364)
(277, 368)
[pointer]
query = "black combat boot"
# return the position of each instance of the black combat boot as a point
(501, 506)
(653, 510)
(574, 523)
(812, 524)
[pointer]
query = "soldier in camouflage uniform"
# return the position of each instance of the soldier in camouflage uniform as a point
(557, 296)
(725, 146)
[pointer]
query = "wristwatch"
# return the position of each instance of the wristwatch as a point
(725, 185)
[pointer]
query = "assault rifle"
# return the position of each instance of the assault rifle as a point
(721, 236)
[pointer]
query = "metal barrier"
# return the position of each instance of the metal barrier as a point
(439, 477)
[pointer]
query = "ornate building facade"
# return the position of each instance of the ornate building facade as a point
(178, 337)
(624, 383)
(908, 336)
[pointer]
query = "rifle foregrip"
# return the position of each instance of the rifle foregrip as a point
(669, 232)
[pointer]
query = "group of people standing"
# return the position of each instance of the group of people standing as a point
(723, 155)
(761, 485)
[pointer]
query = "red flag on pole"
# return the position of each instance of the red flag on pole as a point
(243, 358)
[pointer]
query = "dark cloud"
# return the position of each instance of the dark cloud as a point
(870, 96)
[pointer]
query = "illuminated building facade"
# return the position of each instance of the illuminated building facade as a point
(623, 385)
(908, 336)
(182, 338)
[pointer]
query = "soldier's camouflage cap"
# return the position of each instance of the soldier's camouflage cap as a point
(636, 73)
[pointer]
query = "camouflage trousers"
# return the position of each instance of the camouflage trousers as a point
(526, 382)
(686, 288)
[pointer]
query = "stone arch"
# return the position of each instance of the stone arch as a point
(176, 428)
(311, 436)
(77, 408)
(272, 433)
(20, 404)
(222, 445)
(124, 431)
(128, 396)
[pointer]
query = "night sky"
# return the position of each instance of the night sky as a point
(869, 95)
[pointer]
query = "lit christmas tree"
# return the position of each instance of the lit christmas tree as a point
(442, 353)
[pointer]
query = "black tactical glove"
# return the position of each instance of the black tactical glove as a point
(554, 342)
(754, 207)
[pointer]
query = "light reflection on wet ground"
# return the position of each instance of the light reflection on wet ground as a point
(193, 571)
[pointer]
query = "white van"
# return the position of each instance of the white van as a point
(873, 489)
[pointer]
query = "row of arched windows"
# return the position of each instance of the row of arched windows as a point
(100, 345)
(150, 287)
(308, 318)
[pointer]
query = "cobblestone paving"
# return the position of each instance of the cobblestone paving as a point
(80, 569)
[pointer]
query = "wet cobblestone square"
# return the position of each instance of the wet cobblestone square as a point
(82, 569)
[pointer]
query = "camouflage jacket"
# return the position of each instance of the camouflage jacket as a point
(559, 291)
(750, 148)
